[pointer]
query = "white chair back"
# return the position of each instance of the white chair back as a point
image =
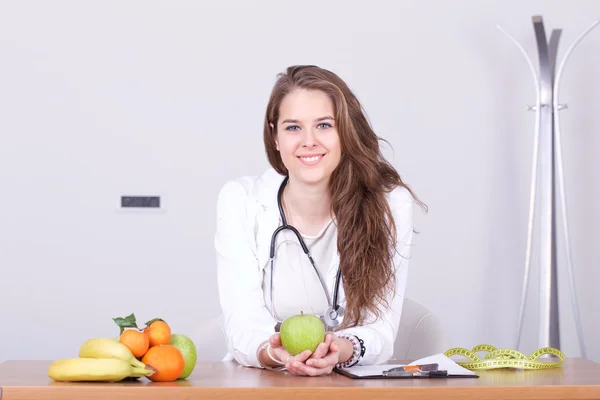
(420, 333)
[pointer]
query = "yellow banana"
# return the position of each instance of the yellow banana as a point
(108, 348)
(139, 372)
(93, 370)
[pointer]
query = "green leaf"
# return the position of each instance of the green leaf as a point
(154, 320)
(127, 322)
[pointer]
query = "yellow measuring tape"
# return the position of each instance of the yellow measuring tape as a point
(505, 358)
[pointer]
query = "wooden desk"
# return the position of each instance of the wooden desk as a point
(578, 379)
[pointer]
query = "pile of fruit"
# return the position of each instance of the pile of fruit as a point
(153, 352)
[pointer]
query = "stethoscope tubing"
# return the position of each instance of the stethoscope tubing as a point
(334, 307)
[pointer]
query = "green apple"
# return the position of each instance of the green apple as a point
(187, 347)
(301, 332)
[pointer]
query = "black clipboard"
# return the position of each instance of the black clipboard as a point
(398, 373)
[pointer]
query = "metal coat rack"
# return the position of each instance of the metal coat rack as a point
(546, 175)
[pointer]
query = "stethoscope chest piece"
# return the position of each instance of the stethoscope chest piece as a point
(333, 316)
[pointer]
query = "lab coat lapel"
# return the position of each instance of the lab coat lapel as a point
(267, 218)
(266, 223)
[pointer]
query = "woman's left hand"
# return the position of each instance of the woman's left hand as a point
(322, 361)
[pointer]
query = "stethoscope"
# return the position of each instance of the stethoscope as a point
(335, 311)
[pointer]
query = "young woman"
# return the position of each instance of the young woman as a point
(341, 202)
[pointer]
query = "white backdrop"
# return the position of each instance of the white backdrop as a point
(103, 98)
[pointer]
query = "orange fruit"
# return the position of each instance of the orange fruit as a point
(159, 332)
(167, 360)
(137, 341)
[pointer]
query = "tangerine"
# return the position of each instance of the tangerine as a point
(159, 332)
(167, 360)
(137, 341)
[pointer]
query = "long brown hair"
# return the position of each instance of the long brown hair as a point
(366, 229)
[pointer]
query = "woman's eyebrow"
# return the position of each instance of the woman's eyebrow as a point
(324, 118)
(295, 121)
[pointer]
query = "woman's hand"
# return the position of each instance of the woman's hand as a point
(282, 355)
(322, 362)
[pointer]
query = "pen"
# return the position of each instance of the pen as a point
(400, 372)
(416, 368)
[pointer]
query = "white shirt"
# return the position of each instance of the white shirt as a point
(247, 216)
(296, 285)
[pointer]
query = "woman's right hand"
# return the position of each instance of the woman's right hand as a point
(278, 352)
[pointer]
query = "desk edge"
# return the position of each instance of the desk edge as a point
(514, 392)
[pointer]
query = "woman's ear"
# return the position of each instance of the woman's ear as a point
(273, 129)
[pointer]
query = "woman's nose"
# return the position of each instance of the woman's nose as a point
(309, 139)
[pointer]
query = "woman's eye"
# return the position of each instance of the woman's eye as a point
(292, 128)
(324, 125)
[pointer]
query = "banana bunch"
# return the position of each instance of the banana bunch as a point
(100, 360)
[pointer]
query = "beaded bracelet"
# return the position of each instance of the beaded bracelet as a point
(358, 352)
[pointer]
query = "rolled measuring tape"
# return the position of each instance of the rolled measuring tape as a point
(505, 358)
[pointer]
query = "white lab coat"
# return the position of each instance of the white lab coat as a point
(247, 215)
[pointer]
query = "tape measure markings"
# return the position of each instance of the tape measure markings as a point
(505, 358)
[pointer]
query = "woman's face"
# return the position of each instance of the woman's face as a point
(307, 137)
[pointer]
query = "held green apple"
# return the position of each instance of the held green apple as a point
(187, 347)
(301, 332)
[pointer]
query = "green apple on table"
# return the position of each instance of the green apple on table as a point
(188, 350)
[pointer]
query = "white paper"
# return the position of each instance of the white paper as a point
(369, 370)
(443, 361)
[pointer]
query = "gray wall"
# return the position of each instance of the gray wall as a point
(104, 98)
